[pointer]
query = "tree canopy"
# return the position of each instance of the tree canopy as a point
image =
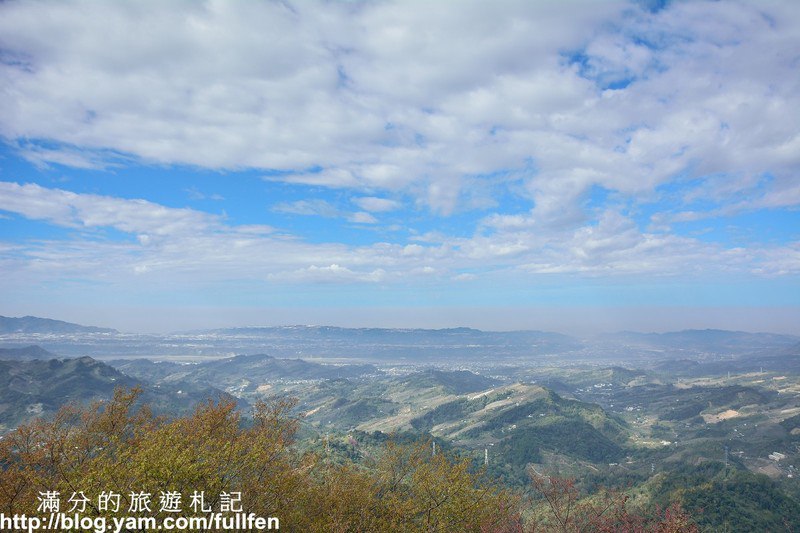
(119, 447)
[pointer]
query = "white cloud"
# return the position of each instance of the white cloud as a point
(180, 247)
(323, 208)
(195, 194)
(333, 273)
(68, 209)
(377, 205)
(414, 97)
(84, 159)
(307, 207)
(448, 108)
(362, 217)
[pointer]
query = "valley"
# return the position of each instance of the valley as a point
(711, 411)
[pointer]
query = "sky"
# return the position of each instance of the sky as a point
(563, 165)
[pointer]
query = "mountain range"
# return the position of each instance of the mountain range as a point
(428, 346)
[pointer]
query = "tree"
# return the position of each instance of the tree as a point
(606, 512)
(119, 447)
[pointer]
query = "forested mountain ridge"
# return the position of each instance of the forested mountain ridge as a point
(403, 487)
(33, 388)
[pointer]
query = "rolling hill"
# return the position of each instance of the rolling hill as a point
(33, 388)
(32, 324)
(26, 353)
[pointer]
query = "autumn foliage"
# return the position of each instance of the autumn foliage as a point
(118, 447)
(564, 510)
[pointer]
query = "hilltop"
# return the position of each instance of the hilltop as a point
(32, 388)
(26, 352)
(32, 324)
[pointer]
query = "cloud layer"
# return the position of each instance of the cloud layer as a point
(416, 97)
(571, 138)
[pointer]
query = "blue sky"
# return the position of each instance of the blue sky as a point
(573, 165)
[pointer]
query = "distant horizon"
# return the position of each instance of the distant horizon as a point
(737, 326)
